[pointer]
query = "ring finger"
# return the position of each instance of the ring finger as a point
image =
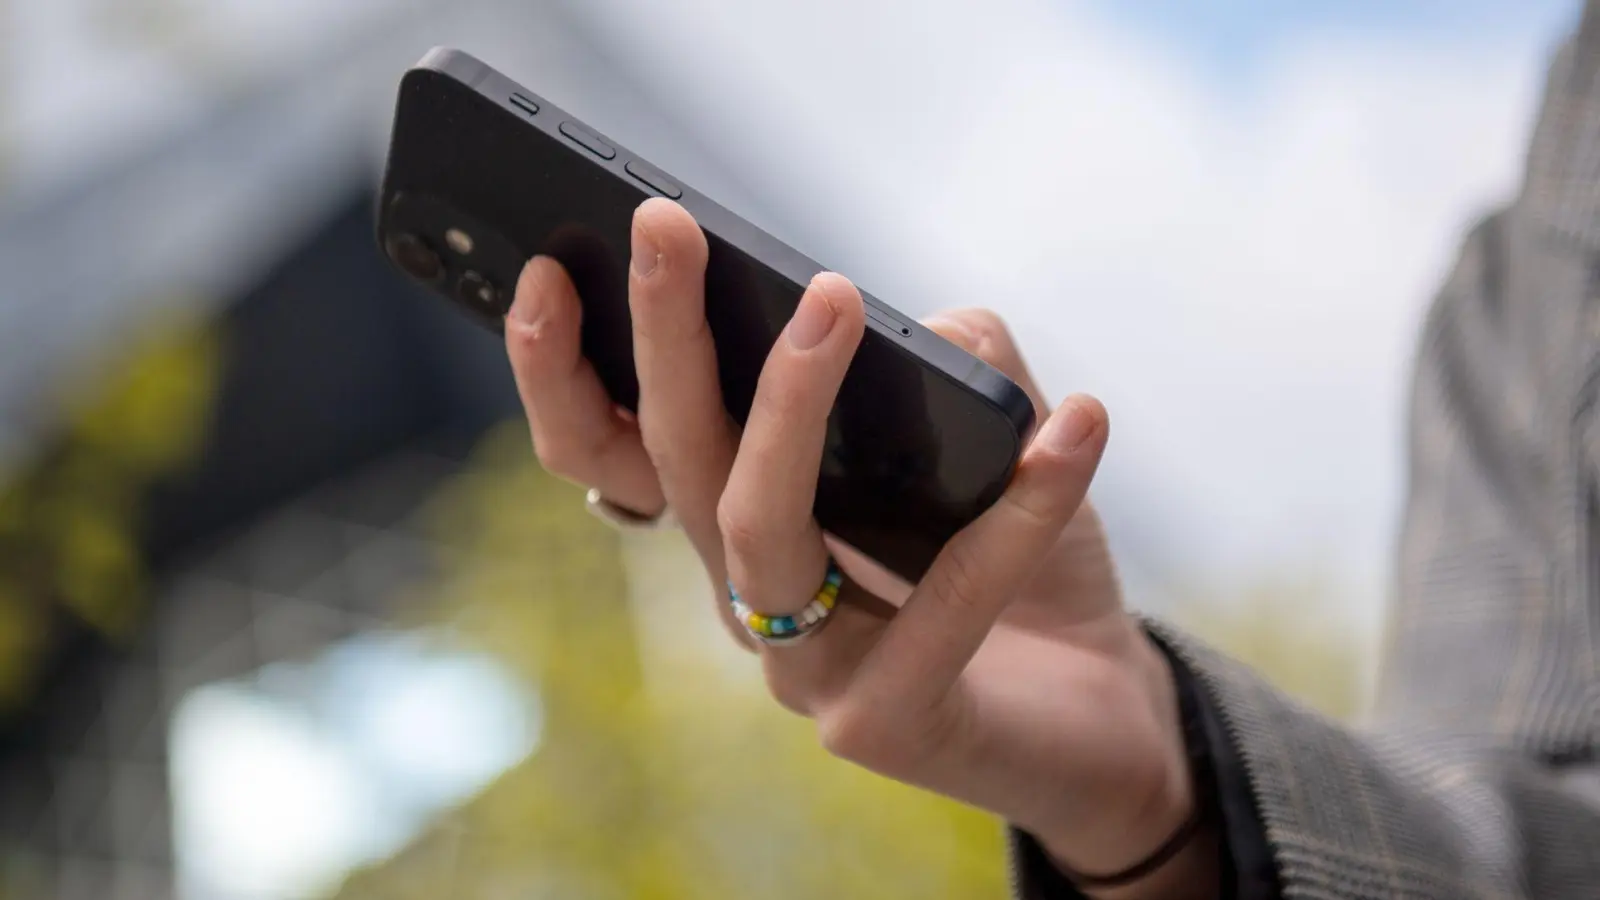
(577, 430)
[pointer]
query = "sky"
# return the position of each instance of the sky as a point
(1233, 38)
(1224, 219)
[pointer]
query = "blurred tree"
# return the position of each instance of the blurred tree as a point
(697, 787)
(68, 519)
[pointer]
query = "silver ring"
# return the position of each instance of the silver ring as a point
(626, 519)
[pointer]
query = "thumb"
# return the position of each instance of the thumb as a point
(976, 575)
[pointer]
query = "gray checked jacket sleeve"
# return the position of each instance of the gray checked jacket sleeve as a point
(1478, 776)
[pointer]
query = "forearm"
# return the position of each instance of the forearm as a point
(1172, 849)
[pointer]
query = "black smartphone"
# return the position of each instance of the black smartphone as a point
(483, 174)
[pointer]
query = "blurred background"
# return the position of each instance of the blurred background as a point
(286, 608)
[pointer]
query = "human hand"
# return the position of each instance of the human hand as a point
(1010, 678)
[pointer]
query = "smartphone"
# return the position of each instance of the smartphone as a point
(483, 174)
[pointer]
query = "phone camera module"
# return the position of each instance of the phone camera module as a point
(475, 290)
(419, 260)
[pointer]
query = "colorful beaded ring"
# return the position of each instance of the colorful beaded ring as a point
(789, 629)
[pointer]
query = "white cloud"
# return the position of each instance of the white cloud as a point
(1239, 276)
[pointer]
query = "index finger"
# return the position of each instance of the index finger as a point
(950, 613)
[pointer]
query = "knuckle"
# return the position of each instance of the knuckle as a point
(661, 444)
(1048, 492)
(960, 584)
(872, 738)
(1040, 509)
(742, 534)
(575, 457)
(682, 437)
(559, 457)
(782, 396)
(987, 323)
(792, 693)
(733, 627)
(849, 732)
(990, 332)
(521, 337)
(776, 428)
(650, 430)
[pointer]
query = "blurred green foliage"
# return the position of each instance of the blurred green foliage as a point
(685, 786)
(691, 783)
(684, 782)
(68, 518)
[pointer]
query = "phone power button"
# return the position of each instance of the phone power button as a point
(588, 140)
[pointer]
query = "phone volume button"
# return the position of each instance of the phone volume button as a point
(526, 104)
(588, 140)
(653, 179)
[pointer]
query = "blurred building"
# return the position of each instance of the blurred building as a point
(335, 399)
(342, 398)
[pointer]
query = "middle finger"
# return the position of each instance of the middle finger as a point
(685, 428)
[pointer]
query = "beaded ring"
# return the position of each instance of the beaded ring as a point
(793, 628)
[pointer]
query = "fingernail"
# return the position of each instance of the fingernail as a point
(1073, 424)
(815, 317)
(645, 252)
(528, 303)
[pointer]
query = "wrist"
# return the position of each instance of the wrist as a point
(1192, 874)
(1162, 842)
(1148, 853)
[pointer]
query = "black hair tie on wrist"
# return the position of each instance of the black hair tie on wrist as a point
(1205, 797)
(1162, 855)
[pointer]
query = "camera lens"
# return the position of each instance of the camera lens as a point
(419, 260)
(475, 290)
